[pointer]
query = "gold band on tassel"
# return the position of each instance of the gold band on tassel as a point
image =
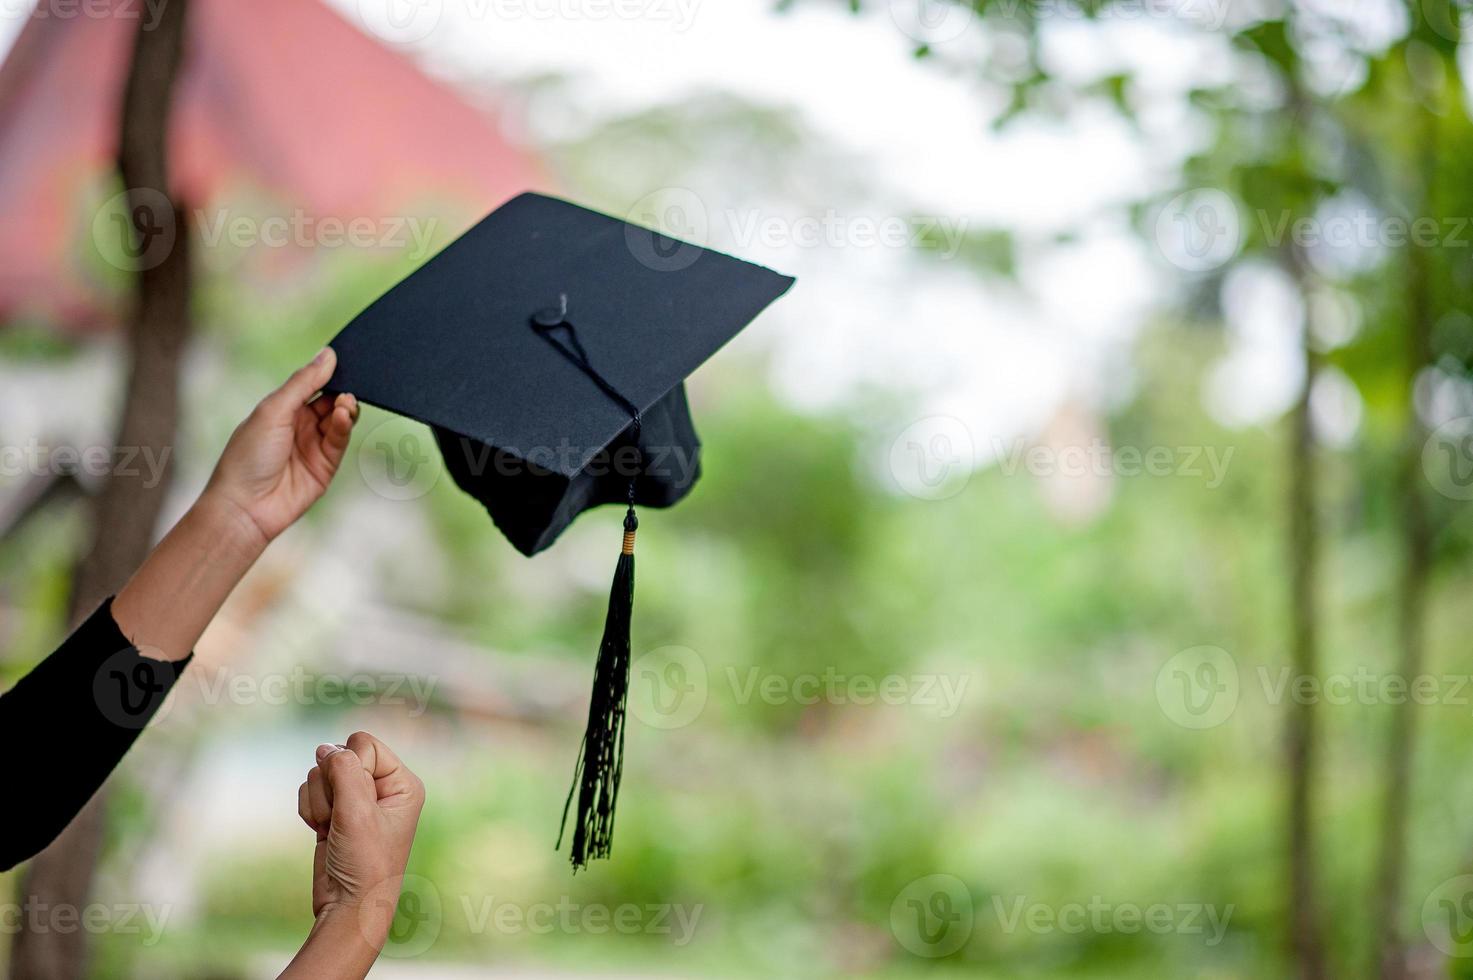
(628, 542)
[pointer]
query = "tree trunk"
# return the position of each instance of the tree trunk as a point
(1306, 942)
(128, 506)
(1411, 611)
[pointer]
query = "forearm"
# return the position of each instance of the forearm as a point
(86, 703)
(343, 945)
(169, 601)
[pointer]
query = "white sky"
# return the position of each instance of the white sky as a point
(915, 137)
(998, 357)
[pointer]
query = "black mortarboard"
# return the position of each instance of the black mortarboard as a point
(547, 348)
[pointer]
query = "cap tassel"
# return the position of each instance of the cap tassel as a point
(601, 757)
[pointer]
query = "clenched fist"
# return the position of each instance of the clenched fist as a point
(364, 805)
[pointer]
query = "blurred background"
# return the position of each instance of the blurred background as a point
(1078, 583)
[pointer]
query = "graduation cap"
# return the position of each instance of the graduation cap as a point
(547, 349)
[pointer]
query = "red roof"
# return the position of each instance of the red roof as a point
(278, 100)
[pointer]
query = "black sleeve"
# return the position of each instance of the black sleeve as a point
(65, 726)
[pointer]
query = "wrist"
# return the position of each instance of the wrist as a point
(337, 948)
(179, 588)
(367, 922)
(229, 524)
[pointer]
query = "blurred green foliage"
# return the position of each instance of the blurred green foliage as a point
(1061, 778)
